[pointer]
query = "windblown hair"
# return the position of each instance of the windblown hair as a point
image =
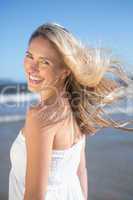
(88, 87)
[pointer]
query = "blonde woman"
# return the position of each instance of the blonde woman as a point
(48, 155)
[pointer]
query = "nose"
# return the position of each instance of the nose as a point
(34, 66)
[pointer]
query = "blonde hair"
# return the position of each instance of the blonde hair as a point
(87, 85)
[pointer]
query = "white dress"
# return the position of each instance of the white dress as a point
(63, 182)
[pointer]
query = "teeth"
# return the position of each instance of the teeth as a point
(34, 78)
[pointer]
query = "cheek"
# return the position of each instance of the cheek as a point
(49, 75)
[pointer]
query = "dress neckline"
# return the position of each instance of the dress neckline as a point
(58, 150)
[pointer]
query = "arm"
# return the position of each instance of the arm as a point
(82, 172)
(39, 148)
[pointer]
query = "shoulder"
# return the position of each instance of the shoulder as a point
(47, 118)
(31, 116)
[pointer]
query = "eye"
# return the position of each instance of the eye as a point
(28, 55)
(43, 62)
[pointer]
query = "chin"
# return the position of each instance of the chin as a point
(34, 88)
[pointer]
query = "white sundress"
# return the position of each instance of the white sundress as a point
(63, 181)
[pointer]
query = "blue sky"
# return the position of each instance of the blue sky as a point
(95, 21)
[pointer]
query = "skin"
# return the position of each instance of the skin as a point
(50, 70)
(39, 145)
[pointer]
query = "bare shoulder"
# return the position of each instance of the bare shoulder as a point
(32, 116)
(46, 118)
(30, 119)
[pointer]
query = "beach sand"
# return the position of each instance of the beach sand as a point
(109, 156)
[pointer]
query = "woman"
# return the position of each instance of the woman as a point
(48, 155)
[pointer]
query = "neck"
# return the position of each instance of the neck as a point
(49, 97)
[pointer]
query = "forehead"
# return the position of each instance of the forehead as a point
(40, 46)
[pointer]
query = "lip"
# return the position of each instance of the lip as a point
(34, 81)
(34, 75)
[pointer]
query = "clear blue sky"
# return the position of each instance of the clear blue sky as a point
(108, 21)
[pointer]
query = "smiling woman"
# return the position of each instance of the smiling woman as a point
(42, 64)
(70, 78)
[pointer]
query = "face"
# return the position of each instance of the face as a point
(43, 66)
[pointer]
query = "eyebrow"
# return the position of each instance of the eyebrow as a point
(42, 57)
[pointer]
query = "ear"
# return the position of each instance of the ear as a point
(66, 73)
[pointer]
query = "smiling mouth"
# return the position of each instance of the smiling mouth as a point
(34, 79)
